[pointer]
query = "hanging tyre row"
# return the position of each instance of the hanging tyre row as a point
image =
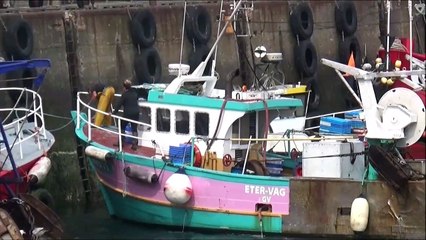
(305, 54)
(346, 20)
(147, 61)
(18, 43)
(346, 26)
(198, 28)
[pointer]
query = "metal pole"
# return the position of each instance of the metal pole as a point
(348, 87)
(410, 14)
(388, 8)
(218, 31)
(245, 159)
(181, 43)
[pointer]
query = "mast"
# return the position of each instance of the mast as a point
(410, 14)
(388, 8)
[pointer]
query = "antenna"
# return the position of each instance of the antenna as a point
(181, 43)
(200, 69)
(218, 31)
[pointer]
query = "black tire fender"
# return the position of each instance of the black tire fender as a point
(35, 3)
(44, 196)
(198, 25)
(306, 58)
(314, 96)
(302, 21)
(143, 28)
(349, 45)
(199, 54)
(21, 79)
(18, 40)
(345, 16)
(147, 66)
(81, 3)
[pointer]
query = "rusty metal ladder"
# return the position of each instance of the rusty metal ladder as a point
(74, 78)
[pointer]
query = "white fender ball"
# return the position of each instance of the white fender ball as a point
(40, 170)
(359, 214)
(178, 188)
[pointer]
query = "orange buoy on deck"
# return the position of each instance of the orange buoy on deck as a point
(104, 104)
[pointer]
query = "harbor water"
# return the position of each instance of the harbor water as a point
(95, 223)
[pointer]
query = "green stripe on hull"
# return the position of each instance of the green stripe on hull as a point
(141, 211)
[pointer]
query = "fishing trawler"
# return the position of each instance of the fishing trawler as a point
(202, 162)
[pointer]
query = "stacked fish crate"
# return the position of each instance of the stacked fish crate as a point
(353, 123)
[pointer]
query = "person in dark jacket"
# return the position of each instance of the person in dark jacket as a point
(129, 102)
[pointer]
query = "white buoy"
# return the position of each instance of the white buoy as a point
(359, 214)
(39, 171)
(178, 188)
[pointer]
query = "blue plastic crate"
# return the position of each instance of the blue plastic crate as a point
(357, 124)
(353, 115)
(237, 170)
(334, 125)
(274, 166)
(180, 155)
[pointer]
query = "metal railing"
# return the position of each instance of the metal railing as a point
(333, 114)
(33, 109)
(91, 111)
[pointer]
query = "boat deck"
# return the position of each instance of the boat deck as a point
(27, 149)
(110, 140)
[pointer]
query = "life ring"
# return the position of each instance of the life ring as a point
(197, 55)
(143, 29)
(198, 25)
(346, 17)
(44, 196)
(35, 3)
(198, 158)
(347, 46)
(227, 160)
(314, 97)
(18, 40)
(147, 66)
(302, 21)
(306, 58)
(27, 75)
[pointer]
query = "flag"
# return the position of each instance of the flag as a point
(351, 63)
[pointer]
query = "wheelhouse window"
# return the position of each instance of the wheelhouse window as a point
(202, 124)
(182, 122)
(163, 120)
(145, 117)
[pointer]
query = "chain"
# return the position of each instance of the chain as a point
(29, 215)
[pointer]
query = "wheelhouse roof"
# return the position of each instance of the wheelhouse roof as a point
(158, 96)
